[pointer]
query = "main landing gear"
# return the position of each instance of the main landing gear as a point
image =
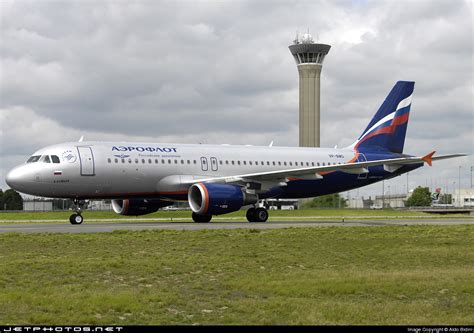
(78, 207)
(253, 215)
(257, 215)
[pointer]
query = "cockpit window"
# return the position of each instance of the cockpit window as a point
(46, 159)
(55, 159)
(33, 159)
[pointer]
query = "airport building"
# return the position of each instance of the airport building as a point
(463, 198)
(309, 57)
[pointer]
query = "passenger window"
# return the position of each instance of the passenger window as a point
(55, 159)
(109, 160)
(116, 160)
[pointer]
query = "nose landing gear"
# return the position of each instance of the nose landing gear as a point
(78, 207)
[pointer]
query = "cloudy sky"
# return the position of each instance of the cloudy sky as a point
(221, 72)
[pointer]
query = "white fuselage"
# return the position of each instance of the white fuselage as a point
(122, 170)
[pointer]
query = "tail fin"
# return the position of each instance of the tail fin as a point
(388, 128)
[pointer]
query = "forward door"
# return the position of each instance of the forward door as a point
(86, 159)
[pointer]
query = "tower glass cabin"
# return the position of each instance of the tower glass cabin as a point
(309, 57)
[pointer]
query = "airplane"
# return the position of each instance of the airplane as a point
(141, 178)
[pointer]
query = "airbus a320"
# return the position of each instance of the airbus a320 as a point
(141, 178)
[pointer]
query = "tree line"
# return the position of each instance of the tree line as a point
(10, 200)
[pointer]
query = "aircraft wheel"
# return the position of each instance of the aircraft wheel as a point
(76, 219)
(201, 218)
(261, 215)
(251, 215)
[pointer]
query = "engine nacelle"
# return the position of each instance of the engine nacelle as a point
(216, 199)
(136, 207)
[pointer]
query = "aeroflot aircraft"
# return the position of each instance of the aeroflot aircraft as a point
(219, 179)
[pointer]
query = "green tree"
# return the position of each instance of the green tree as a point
(421, 197)
(326, 201)
(12, 200)
(1, 199)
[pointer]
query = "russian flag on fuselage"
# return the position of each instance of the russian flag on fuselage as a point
(388, 128)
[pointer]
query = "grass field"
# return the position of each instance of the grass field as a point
(307, 214)
(329, 275)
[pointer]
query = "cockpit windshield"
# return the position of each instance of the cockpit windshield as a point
(44, 159)
(33, 159)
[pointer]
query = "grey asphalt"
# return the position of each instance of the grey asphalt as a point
(116, 226)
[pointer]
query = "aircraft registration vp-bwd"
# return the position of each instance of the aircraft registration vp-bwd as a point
(141, 178)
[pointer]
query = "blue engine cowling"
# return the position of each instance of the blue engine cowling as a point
(216, 199)
(136, 207)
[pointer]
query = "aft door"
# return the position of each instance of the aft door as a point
(86, 158)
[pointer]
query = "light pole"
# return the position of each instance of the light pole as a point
(459, 187)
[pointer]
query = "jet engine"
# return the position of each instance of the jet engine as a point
(136, 207)
(216, 199)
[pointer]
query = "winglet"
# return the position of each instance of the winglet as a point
(429, 158)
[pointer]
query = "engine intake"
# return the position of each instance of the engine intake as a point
(136, 207)
(216, 199)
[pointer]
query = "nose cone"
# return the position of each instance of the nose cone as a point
(16, 178)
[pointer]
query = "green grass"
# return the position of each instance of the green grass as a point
(418, 275)
(307, 214)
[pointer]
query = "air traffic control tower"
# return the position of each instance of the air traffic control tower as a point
(309, 58)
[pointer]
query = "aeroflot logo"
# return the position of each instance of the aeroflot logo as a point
(142, 149)
(69, 156)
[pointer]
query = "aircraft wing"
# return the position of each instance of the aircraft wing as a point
(283, 176)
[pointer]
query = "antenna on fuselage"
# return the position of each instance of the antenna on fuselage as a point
(81, 138)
